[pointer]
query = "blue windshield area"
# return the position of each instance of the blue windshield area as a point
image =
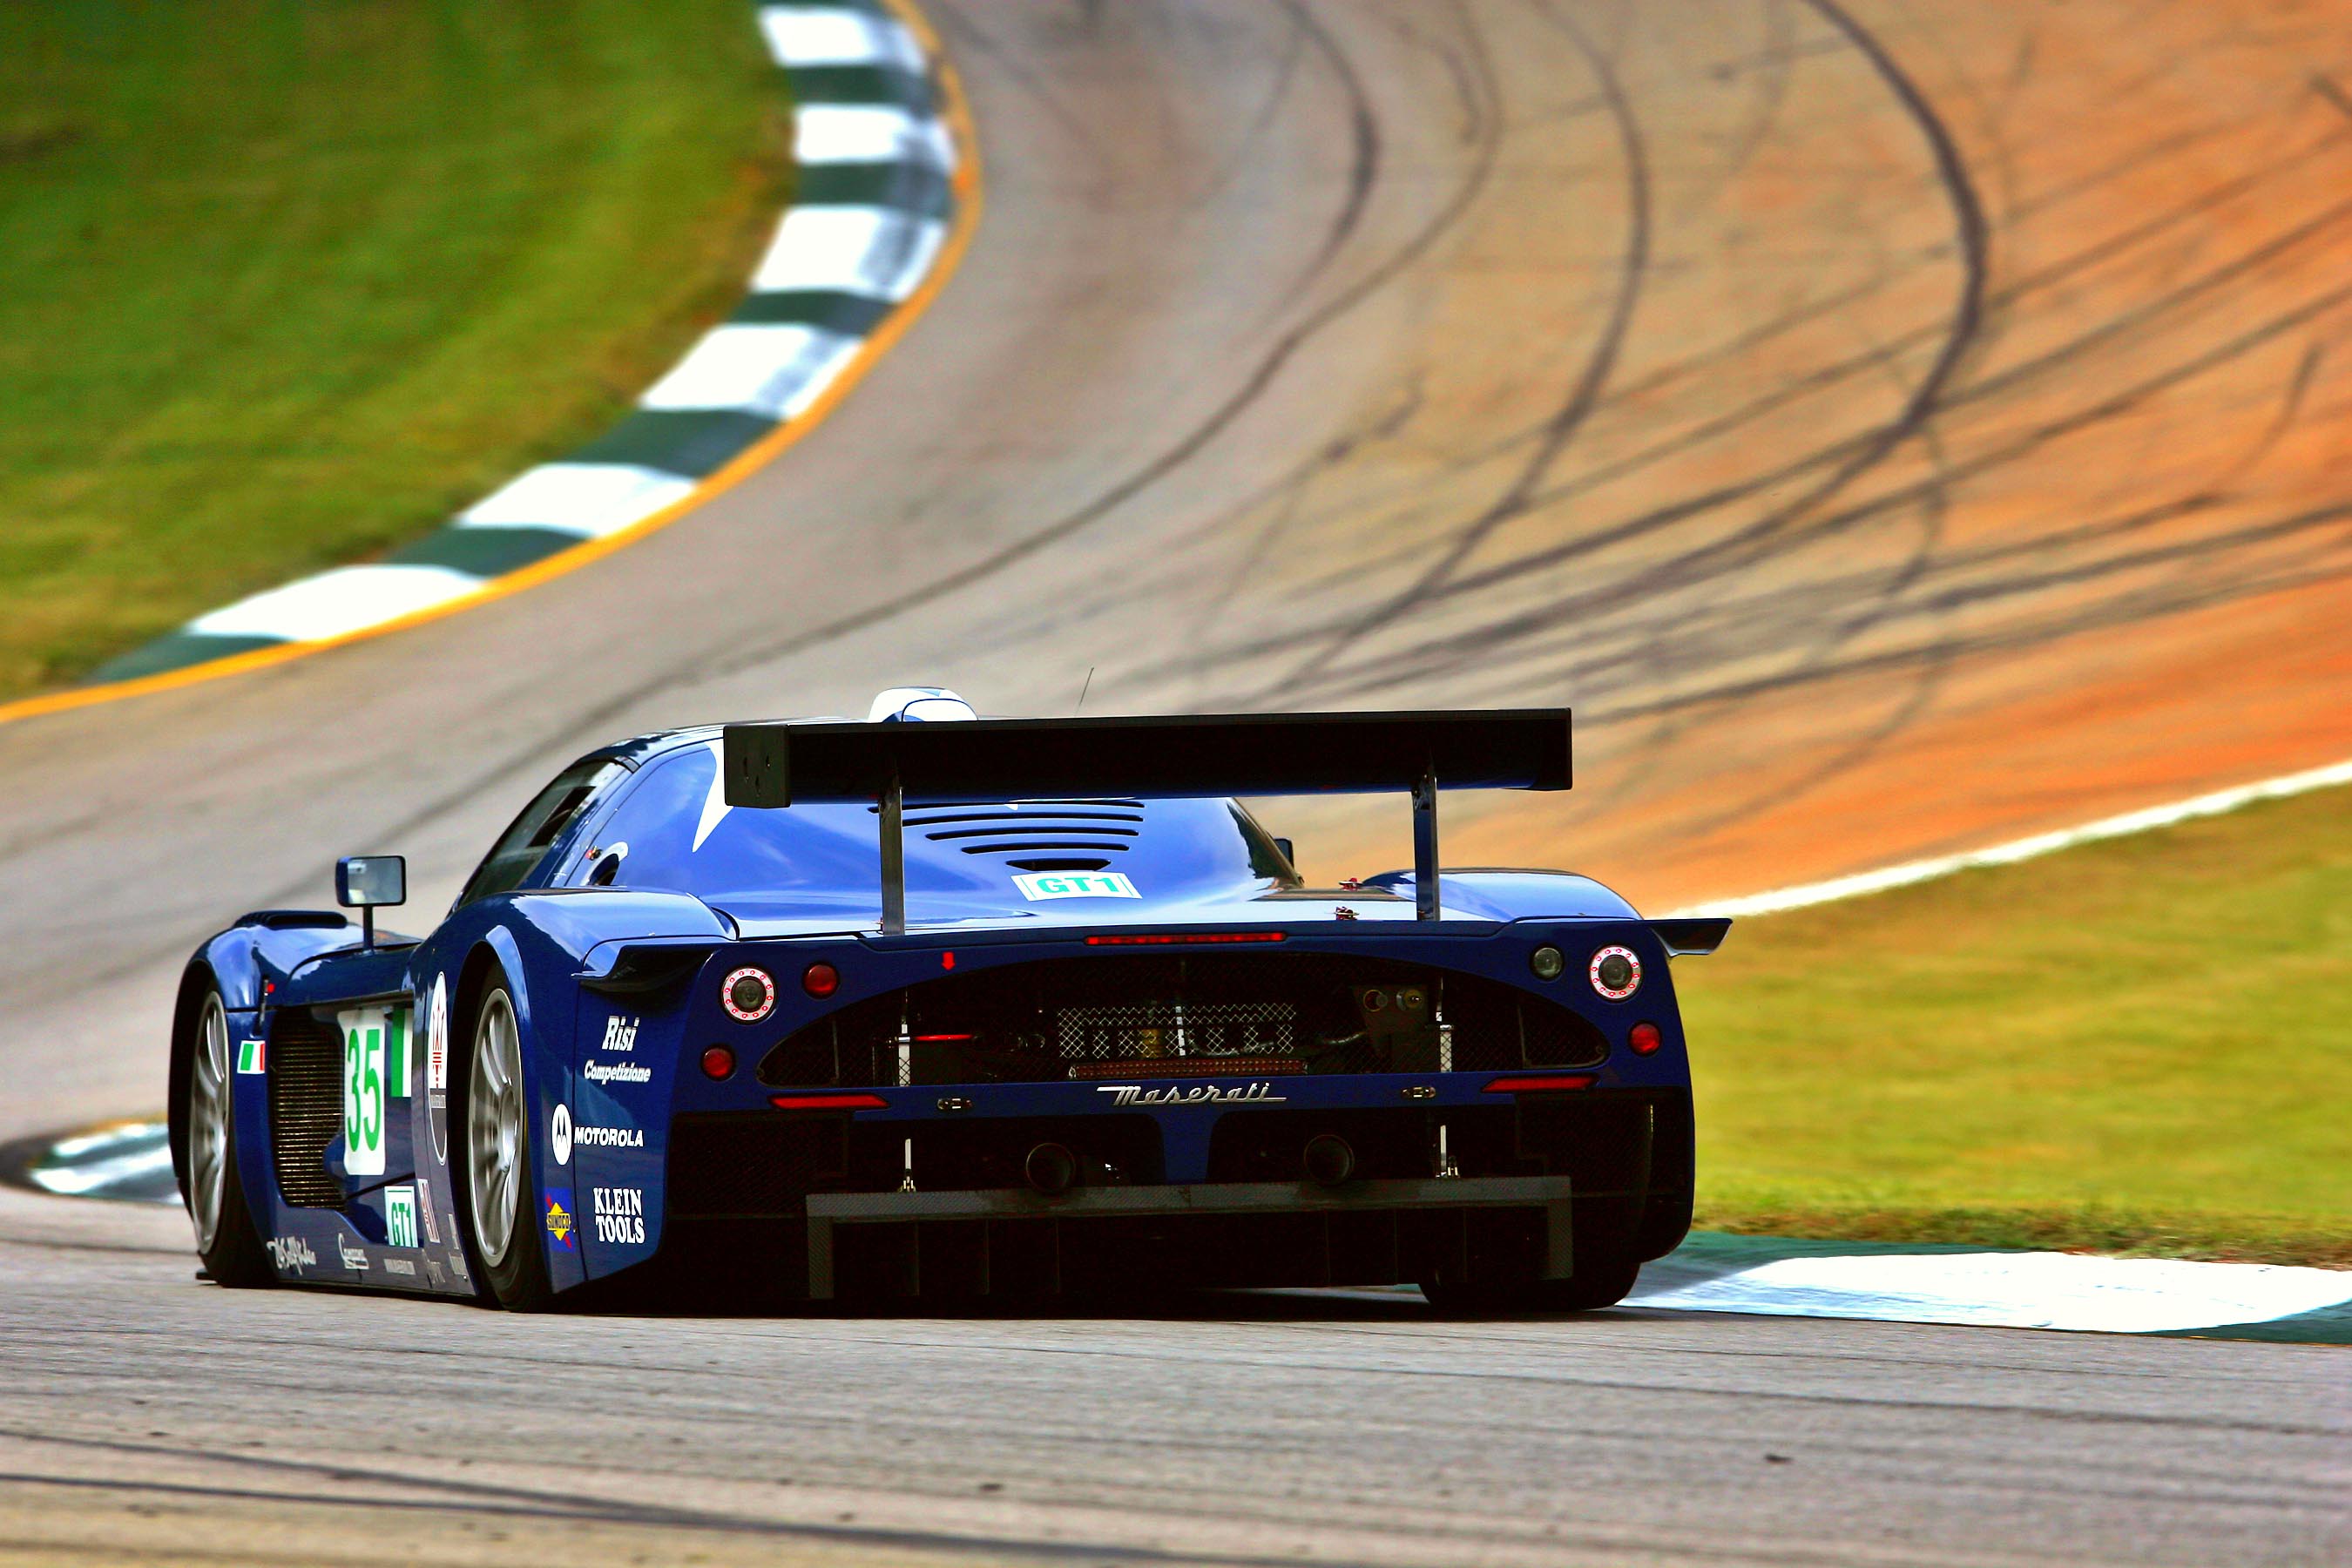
(682, 836)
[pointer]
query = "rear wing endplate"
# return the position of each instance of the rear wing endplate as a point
(986, 760)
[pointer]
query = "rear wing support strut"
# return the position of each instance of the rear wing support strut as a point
(894, 857)
(1424, 844)
(987, 761)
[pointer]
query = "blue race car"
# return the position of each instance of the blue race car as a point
(828, 1010)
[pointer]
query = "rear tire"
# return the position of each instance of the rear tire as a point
(1601, 1280)
(231, 1248)
(492, 1167)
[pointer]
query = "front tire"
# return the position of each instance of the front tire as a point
(231, 1248)
(493, 1169)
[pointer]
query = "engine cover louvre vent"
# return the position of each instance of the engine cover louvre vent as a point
(1083, 826)
(306, 1107)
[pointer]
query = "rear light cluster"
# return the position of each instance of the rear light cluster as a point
(1615, 973)
(1645, 1039)
(749, 994)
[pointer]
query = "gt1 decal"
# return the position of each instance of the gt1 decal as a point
(620, 1215)
(250, 1054)
(1036, 885)
(559, 1224)
(1189, 1094)
(559, 1135)
(400, 1214)
(291, 1252)
(354, 1259)
(375, 1066)
(619, 1034)
(589, 1137)
(615, 1073)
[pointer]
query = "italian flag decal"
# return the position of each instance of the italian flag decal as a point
(249, 1056)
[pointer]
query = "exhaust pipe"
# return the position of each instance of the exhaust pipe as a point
(1329, 1159)
(1051, 1169)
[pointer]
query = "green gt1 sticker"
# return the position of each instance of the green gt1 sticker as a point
(375, 1065)
(1036, 885)
(400, 1214)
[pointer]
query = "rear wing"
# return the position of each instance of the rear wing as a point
(989, 760)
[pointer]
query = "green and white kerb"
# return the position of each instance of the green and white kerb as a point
(871, 211)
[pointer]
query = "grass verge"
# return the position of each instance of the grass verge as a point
(284, 283)
(2139, 1046)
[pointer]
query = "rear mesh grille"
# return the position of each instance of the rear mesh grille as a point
(306, 1108)
(1224, 1012)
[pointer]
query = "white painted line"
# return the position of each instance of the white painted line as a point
(877, 252)
(77, 1181)
(590, 499)
(808, 36)
(2213, 805)
(776, 371)
(333, 602)
(2016, 1290)
(869, 133)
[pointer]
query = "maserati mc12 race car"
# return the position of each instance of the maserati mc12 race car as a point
(932, 1006)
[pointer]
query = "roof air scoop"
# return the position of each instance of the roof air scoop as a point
(918, 705)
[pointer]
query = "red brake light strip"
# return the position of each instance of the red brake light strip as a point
(828, 1102)
(1182, 939)
(1549, 1083)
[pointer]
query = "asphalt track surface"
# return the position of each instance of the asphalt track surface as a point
(1893, 427)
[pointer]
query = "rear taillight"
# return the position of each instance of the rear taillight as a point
(1645, 1038)
(749, 994)
(820, 979)
(828, 1102)
(1548, 1083)
(718, 1062)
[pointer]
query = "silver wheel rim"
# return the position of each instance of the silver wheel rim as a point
(494, 1130)
(208, 1123)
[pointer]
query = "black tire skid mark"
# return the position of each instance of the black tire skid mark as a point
(1172, 461)
(1820, 378)
(1748, 541)
(1570, 414)
(1483, 642)
(1482, 645)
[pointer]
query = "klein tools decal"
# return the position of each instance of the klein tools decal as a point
(619, 1214)
(1037, 885)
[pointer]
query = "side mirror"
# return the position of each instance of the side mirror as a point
(366, 882)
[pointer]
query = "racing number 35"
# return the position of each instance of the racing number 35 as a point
(375, 1064)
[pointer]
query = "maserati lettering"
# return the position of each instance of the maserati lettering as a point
(1260, 1093)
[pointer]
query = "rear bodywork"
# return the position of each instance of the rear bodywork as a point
(1184, 1023)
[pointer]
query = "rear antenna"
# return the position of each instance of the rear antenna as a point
(1084, 689)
